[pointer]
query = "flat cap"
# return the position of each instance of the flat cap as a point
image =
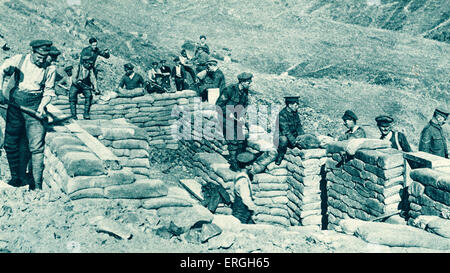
(202, 36)
(212, 62)
(41, 46)
(384, 121)
(349, 115)
(162, 61)
(244, 76)
(245, 157)
(54, 51)
(129, 66)
(291, 99)
(154, 63)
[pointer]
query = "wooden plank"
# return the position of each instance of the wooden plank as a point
(105, 154)
(193, 187)
(426, 160)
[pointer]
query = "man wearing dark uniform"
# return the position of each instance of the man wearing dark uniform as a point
(93, 51)
(354, 131)
(243, 207)
(432, 138)
(35, 87)
(398, 140)
(83, 81)
(212, 77)
(290, 128)
(165, 73)
(230, 97)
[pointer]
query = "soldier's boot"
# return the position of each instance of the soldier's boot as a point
(87, 108)
(73, 110)
(14, 168)
(37, 163)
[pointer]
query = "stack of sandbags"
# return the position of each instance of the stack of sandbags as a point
(200, 131)
(365, 185)
(429, 193)
(304, 193)
(127, 141)
(154, 112)
(213, 168)
(270, 195)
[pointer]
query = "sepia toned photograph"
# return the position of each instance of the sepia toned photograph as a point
(224, 126)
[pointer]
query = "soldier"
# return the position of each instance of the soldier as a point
(179, 75)
(165, 73)
(84, 81)
(232, 96)
(432, 138)
(212, 77)
(354, 131)
(290, 128)
(34, 89)
(202, 45)
(398, 140)
(131, 80)
(243, 206)
(93, 51)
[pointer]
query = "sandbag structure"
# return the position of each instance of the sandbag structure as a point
(364, 180)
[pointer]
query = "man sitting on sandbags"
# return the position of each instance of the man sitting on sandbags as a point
(132, 83)
(290, 130)
(243, 207)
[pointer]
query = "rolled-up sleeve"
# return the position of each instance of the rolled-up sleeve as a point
(49, 88)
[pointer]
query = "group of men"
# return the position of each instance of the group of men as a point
(32, 85)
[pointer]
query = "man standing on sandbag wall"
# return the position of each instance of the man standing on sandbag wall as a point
(212, 77)
(83, 81)
(243, 207)
(35, 87)
(289, 129)
(354, 131)
(432, 138)
(93, 51)
(234, 98)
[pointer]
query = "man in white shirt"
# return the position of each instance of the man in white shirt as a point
(34, 88)
(243, 206)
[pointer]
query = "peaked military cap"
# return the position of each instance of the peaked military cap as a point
(384, 121)
(212, 62)
(202, 36)
(129, 66)
(291, 99)
(54, 51)
(442, 111)
(92, 40)
(245, 157)
(349, 115)
(244, 76)
(176, 59)
(41, 46)
(154, 63)
(162, 61)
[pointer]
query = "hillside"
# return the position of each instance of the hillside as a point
(291, 48)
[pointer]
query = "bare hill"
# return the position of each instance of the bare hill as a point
(292, 47)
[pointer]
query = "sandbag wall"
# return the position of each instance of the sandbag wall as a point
(127, 141)
(305, 191)
(153, 112)
(72, 167)
(429, 193)
(364, 186)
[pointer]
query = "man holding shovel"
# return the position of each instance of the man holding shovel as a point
(34, 87)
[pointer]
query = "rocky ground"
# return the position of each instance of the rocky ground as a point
(292, 48)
